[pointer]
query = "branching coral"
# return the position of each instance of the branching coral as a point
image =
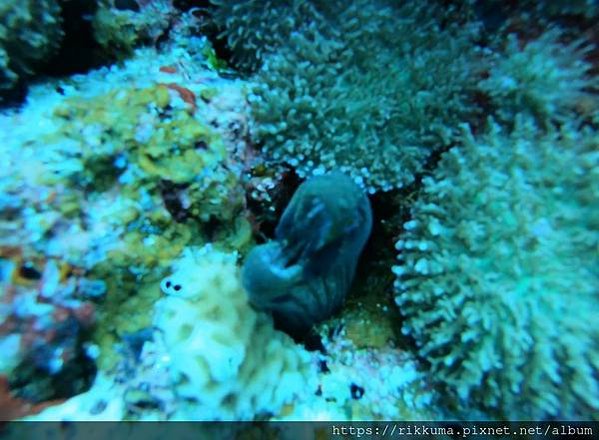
(371, 89)
(544, 76)
(498, 272)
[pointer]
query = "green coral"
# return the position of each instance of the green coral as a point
(30, 31)
(546, 76)
(214, 62)
(119, 31)
(157, 140)
(371, 89)
(498, 272)
(174, 190)
(255, 28)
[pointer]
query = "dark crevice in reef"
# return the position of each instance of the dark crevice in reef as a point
(221, 47)
(379, 253)
(14, 96)
(79, 51)
(34, 383)
(267, 215)
(209, 29)
(186, 5)
(171, 197)
(373, 274)
(313, 342)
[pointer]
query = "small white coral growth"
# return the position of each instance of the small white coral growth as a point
(226, 359)
(366, 384)
(545, 76)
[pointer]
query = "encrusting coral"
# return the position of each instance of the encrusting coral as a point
(119, 27)
(498, 272)
(225, 358)
(125, 167)
(169, 168)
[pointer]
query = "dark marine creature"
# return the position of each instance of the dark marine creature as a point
(304, 274)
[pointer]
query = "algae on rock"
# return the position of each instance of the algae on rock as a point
(120, 30)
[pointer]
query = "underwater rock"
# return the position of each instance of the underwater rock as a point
(45, 319)
(121, 26)
(302, 276)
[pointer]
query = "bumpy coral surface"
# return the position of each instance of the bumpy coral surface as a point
(225, 358)
(30, 31)
(208, 356)
(498, 276)
(255, 28)
(370, 89)
(119, 26)
(112, 173)
(384, 383)
(545, 76)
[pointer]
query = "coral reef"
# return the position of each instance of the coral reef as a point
(585, 8)
(30, 31)
(208, 355)
(497, 275)
(121, 26)
(255, 28)
(302, 276)
(372, 91)
(122, 168)
(225, 358)
(384, 383)
(549, 78)
(45, 310)
(114, 177)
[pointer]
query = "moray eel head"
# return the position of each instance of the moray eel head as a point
(303, 275)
